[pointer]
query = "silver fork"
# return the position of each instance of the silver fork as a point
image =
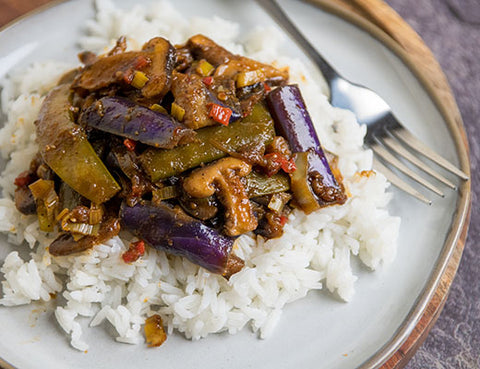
(385, 134)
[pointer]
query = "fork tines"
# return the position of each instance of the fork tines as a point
(385, 142)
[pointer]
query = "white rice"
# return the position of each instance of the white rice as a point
(314, 252)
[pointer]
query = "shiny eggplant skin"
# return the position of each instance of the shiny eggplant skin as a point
(293, 122)
(122, 117)
(173, 231)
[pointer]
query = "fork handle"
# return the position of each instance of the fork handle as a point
(272, 8)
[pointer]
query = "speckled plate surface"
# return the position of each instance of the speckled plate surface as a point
(318, 331)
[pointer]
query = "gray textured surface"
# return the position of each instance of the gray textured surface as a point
(451, 28)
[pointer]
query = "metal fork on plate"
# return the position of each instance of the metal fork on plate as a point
(385, 134)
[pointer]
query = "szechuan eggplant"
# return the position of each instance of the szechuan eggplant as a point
(313, 183)
(171, 230)
(122, 117)
(138, 139)
(66, 150)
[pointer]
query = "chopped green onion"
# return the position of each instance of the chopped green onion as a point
(139, 79)
(47, 201)
(177, 112)
(95, 214)
(158, 108)
(250, 78)
(77, 236)
(51, 202)
(302, 192)
(45, 222)
(165, 193)
(83, 228)
(277, 202)
(204, 68)
(62, 214)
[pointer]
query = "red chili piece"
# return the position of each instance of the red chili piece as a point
(23, 179)
(135, 250)
(283, 220)
(288, 165)
(130, 144)
(267, 87)
(220, 114)
(127, 76)
(141, 62)
(208, 80)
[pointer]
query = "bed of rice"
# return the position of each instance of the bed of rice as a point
(314, 253)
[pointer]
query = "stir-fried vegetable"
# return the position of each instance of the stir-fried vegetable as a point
(47, 202)
(258, 184)
(170, 229)
(220, 114)
(134, 252)
(65, 244)
(122, 117)
(149, 70)
(177, 146)
(313, 183)
(154, 332)
(256, 128)
(65, 148)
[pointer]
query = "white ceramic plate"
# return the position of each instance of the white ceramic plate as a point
(318, 331)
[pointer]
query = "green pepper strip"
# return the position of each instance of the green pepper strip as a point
(260, 184)
(66, 150)
(256, 128)
(302, 192)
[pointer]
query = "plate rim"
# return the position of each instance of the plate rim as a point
(459, 226)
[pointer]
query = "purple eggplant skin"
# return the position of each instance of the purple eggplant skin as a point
(173, 231)
(124, 118)
(293, 122)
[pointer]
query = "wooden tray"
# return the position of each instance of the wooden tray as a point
(380, 20)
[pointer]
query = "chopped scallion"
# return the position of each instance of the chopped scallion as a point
(204, 68)
(177, 112)
(139, 79)
(165, 193)
(158, 108)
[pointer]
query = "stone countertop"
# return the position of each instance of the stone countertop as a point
(451, 28)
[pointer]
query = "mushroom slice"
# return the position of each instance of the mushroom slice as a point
(223, 178)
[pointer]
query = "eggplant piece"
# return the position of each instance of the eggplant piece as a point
(173, 231)
(313, 183)
(124, 118)
(66, 150)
